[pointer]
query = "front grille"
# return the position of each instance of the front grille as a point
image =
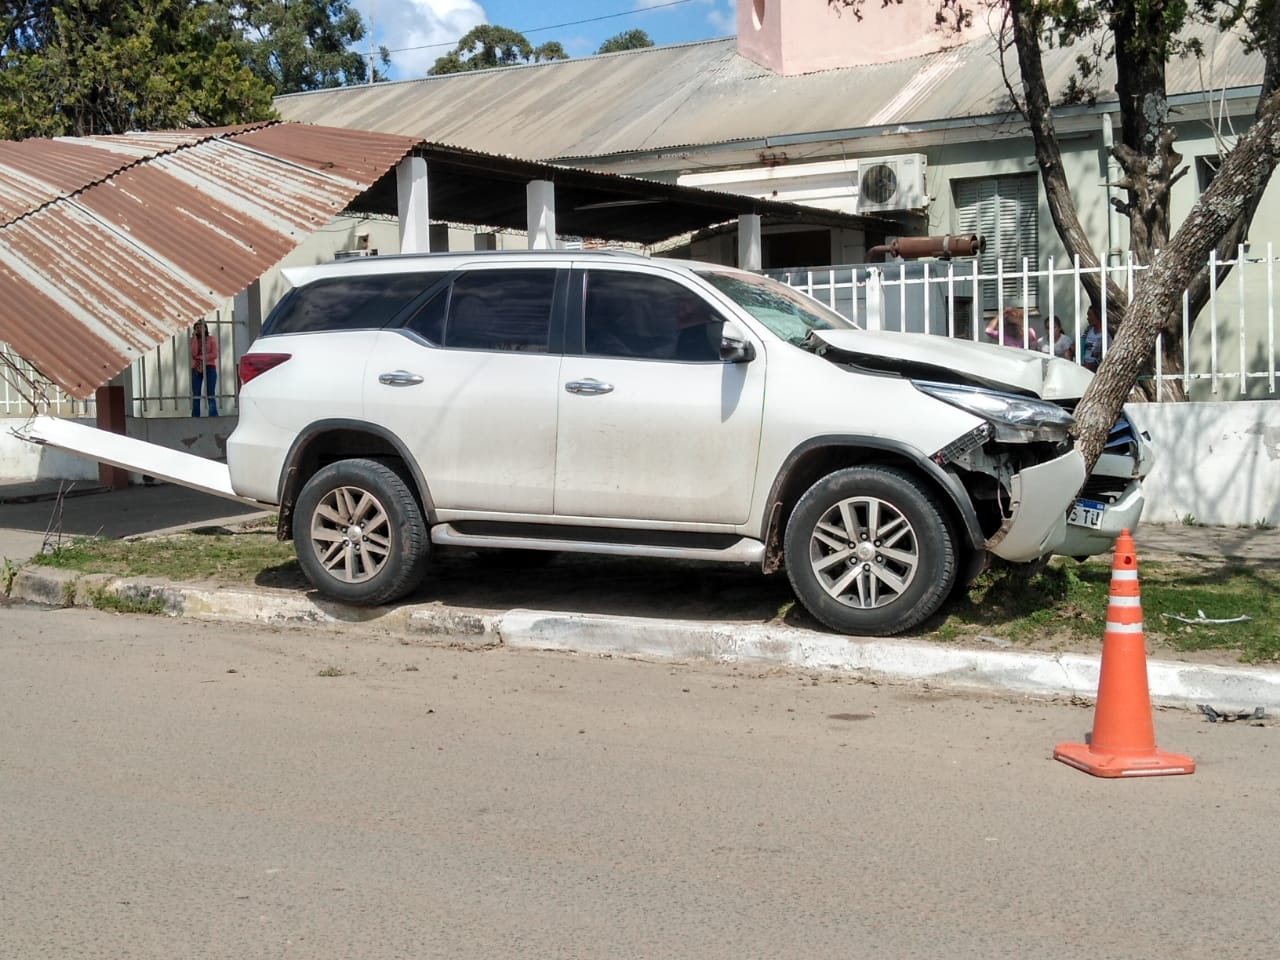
(1105, 489)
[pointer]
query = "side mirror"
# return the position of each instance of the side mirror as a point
(734, 345)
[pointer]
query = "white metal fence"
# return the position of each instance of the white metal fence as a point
(1230, 351)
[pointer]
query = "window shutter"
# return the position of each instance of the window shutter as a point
(1002, 209)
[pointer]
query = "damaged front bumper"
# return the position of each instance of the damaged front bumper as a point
(1080, 540)
(1039, 497)
(1055, 509)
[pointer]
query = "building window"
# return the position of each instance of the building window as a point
(1206, 169)
(1004, 210)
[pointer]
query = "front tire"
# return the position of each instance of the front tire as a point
(869, 551)
(360, 534)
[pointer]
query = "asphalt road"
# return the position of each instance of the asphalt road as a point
(175, 789)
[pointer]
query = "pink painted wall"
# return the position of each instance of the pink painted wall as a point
(805, 36)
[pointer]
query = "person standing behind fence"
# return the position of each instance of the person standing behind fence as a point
(1056, 340)
(204, 369)
(1091, 342)
(1012, 334)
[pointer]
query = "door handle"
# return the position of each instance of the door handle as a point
(589, 387)
(400, 378)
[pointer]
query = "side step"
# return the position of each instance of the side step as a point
(184, 469)
(742, 550)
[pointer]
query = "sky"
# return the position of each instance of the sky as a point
(433, 27)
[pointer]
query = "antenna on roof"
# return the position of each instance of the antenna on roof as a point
(372, 7)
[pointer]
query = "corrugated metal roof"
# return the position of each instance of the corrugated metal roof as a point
(110, 245)
(704, 93)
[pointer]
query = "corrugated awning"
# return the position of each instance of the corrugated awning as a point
(110, 245)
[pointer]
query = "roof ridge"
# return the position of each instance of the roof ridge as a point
(384, 84)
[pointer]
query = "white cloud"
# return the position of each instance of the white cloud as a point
(724, 19)
(399, 24)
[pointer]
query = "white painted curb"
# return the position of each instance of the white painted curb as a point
(1009, 671)
(1040, 674)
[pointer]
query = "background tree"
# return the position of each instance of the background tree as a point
(627, 40)
(489, 45)
(93, 66)
(298, 45)
(1139, 37)
(88, 67)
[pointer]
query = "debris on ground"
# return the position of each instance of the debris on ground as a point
(1202, 620)
(998, 641)
(1225, 716)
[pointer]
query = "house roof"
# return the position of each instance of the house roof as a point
(700, 94)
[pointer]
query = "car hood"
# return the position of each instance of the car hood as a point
(923, 356)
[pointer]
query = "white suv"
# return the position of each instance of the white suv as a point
(610, 403)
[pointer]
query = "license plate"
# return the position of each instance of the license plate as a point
(1086, 513)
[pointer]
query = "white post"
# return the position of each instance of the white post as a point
(541, 198)
(875, 299)
(749, 241)
(411, 196)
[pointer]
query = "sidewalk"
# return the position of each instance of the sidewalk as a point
(151, 510)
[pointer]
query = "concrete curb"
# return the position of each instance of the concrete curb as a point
(1039, 674)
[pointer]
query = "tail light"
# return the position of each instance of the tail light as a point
(253, 364)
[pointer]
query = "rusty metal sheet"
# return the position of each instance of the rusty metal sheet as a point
(120, 242)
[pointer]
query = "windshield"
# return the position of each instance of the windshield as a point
(785, 311)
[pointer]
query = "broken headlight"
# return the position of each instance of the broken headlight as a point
(1015, 419)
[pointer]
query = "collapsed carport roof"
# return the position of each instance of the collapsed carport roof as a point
(467, 186)
(111, 245)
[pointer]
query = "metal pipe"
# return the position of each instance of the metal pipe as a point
(1110, 174)
(913, 248)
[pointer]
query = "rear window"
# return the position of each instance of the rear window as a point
(501, 310)
(346, 303)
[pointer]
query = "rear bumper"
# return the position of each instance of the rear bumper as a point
(255, 457)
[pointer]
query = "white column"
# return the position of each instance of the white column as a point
(749, 241)
(411, 196)
(541, 196)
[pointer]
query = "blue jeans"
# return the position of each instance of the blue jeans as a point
(208, 378)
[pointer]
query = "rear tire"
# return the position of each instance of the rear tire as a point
(869, 551)
(359, 533)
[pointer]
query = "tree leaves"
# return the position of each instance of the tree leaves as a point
(489, 45)
(82, 67)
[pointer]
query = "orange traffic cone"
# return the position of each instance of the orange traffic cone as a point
(1123, 743)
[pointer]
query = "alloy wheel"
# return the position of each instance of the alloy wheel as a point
(864, 552)
(351, 534)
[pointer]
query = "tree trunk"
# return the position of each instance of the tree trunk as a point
(1158, 295)
(1145, 151)
(1026, 21)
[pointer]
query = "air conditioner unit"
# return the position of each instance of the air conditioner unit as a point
(892, 183)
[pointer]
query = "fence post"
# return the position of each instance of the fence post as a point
(875, 300)
(1271, 321)
(1213, 320)
(1244, 360)
(111, 417)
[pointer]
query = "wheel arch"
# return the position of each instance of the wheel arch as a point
(819, 456)
(327, 441)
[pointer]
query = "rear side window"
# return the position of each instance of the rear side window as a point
(346, 303)
(501, 310)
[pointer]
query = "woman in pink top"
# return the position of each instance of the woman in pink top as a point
(204, 369)
(1012, 334)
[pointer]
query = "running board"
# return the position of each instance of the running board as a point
(164, 463)
(744, 550)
